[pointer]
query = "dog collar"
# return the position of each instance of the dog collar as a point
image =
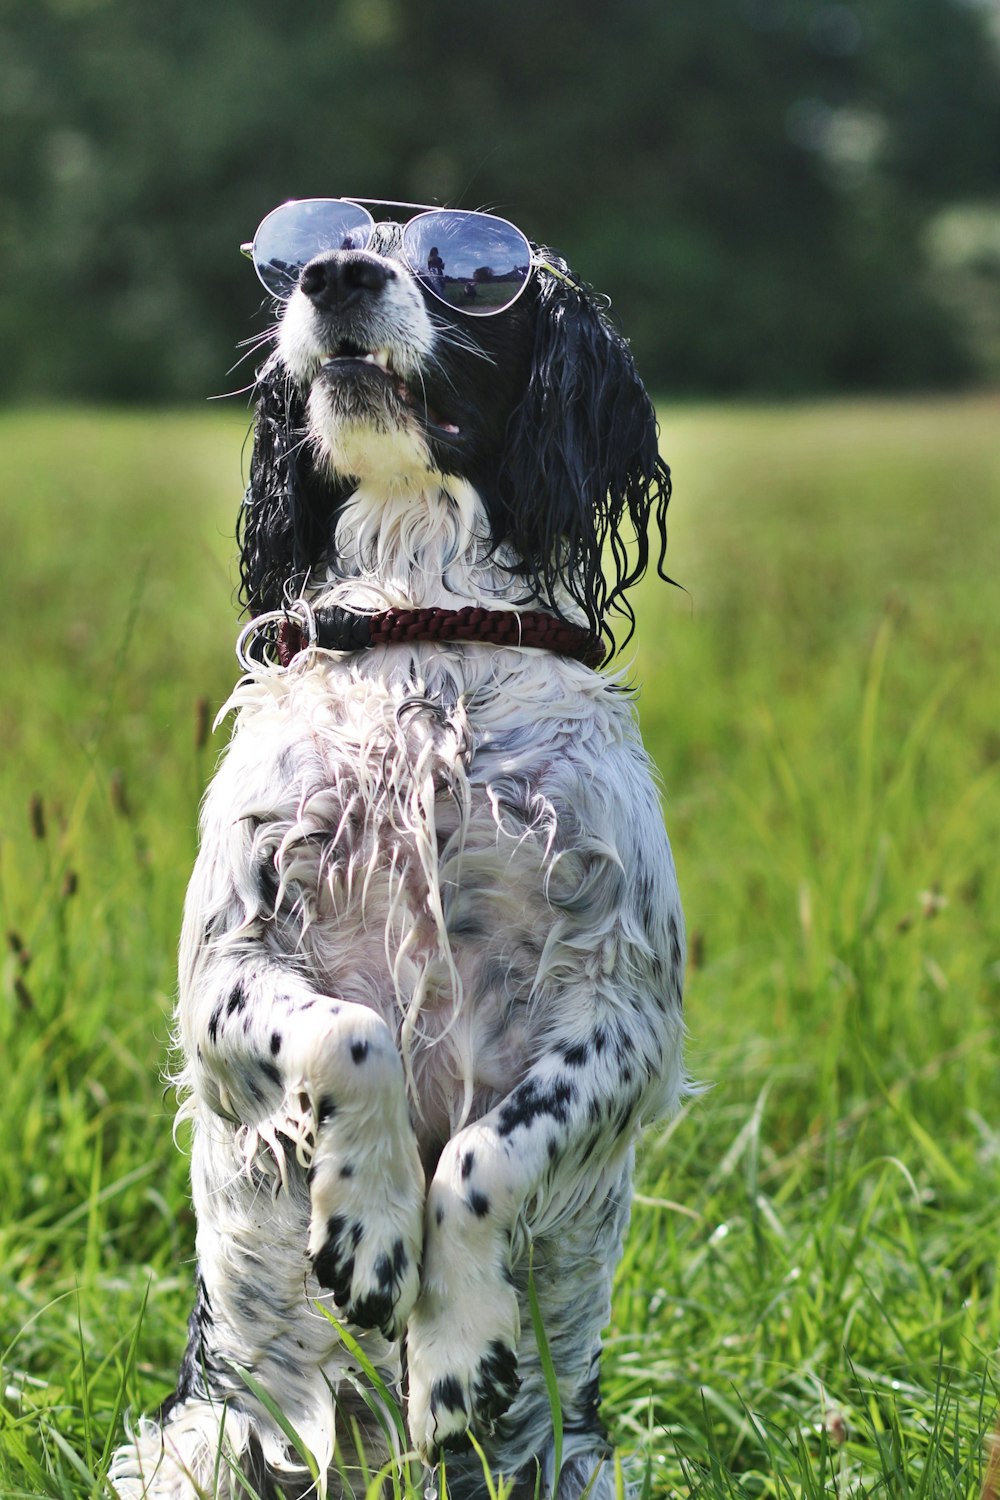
(339, 629)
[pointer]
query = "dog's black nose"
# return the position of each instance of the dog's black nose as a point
(342, 277)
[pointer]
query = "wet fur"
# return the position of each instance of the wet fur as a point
(432, 956)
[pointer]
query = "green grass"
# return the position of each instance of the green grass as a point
(808, 1304)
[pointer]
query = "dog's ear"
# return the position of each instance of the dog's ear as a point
(582, 474)
(284, 523)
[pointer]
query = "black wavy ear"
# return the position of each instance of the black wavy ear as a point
(285, 522)
(582, 475)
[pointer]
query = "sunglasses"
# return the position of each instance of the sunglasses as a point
(471, 261)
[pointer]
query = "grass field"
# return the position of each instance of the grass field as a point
(809, 1303)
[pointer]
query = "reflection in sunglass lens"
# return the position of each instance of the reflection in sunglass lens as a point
(471, 261)
(290, 236)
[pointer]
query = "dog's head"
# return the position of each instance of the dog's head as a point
(388, 375)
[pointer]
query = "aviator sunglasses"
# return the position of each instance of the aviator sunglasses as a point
(474, 262)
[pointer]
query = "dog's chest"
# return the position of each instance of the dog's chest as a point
(414, 827)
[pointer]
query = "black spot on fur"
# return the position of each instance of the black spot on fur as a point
(600, 1040)
(327, 1109)
(267, 885)
(333, 1266)
(375, 1310)
(271, 1072)
(457, 1442)
(335, 1272)
(530, 1100)
(197, 1368)
(347, 1170)
(496, 1381)
(275, 1043)
(575, 1057)
(675, 942)
(237, 1000)
(359, 1051)
(479, 1204)
(589, 1145)
(468, 1160)
(643, 886)
(439, 1216)
(213, 1023)
(622, 1042)
(446, 1394)
(389, 1268)
(586, 1406)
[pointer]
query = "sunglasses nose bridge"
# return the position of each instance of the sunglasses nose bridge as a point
(387, 239)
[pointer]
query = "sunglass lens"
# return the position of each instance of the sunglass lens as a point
(296, 232)
(470, 261)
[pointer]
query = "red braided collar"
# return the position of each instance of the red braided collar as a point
(344, 630)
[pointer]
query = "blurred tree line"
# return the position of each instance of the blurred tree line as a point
(780, 195)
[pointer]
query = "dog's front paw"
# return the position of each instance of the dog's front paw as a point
(366, 1234)
(462, 1361)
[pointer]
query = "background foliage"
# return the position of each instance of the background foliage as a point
(782, 195)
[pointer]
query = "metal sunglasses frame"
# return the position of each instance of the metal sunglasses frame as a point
(248, 247)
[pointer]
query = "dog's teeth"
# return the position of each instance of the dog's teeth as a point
(381, 358)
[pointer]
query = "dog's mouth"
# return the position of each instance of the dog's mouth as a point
(351, 361)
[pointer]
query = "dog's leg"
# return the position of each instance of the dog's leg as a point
(290, 1068)
(553, 1149)
(306, 1176)
(257, 1339)
(573, 1252)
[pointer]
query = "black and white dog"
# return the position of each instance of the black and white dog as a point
(431, 965)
